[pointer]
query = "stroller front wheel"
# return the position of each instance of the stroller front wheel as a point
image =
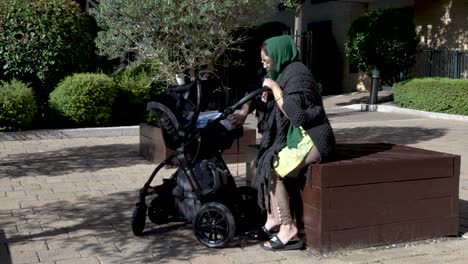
(214, 225)
(139, 219)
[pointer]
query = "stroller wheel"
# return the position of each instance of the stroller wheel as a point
(157, 213)
(139, 219)
(214, 225)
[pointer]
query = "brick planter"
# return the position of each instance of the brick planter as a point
(376, 194)
(380, 194)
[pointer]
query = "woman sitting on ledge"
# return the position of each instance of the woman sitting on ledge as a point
(295, 133)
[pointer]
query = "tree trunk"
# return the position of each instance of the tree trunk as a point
(298, 27)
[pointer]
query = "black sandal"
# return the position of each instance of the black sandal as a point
(277, 245)
(262, 234)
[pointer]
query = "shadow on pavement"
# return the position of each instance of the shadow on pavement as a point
(364, 99)
(395, 135)
(332, 115)
(94, 158)
(69, 160)
(100, 227)
(463, 207)
(4, 256)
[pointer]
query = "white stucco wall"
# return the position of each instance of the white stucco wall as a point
(342, 14)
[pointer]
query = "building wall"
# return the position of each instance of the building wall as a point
(361, 81)
(341, 15)
(442, 24)
(284, 16)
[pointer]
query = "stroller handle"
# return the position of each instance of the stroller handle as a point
(243, 100)
(248, 97)
(229, 110)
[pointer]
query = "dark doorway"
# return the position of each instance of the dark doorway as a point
(325, 58)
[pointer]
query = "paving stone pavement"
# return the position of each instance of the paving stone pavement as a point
(70, 200)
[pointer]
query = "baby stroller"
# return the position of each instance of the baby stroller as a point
(202, 190)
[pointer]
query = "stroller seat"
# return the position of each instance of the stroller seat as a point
(175, 118)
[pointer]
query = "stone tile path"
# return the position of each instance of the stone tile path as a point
(70, 200)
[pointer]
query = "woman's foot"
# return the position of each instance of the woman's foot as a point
(270, 223)
(265, 232)
(284, 238)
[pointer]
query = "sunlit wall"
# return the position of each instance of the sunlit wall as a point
(442, 24)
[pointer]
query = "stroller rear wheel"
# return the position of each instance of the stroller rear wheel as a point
(214, 225)
(139, 219)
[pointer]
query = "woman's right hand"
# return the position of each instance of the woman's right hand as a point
(238, 119)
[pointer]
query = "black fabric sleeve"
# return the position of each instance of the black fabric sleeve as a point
(301, 104)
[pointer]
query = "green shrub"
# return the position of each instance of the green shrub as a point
(17, 106)
(433, 94)
(136, 88)
(85, 98)
(42, 41)
(382, 38)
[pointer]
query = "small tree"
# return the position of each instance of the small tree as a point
(296, 5)
(179, 36)
(43, 41)
(385, 39)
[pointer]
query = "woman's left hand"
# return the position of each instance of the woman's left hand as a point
(269, 83)
(274, 87)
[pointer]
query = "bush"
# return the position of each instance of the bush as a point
(42, 41)
(85, 98)
(136, 88)
(17, 106)
(383, 38)
(433, 94)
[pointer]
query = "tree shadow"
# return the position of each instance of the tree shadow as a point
(100, 227)
(343, 113)
(463, 209)
(71, 160)
(364, 99)
(395, 135)
(4, 256)
(95, 226)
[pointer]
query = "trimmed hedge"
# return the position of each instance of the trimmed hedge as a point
(85, 98)
(17, 106)
(441, 95)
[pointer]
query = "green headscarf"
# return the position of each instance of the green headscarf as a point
(282, 50)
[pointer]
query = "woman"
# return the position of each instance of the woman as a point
(295, 133)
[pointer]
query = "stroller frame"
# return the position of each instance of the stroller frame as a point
(226, 209)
